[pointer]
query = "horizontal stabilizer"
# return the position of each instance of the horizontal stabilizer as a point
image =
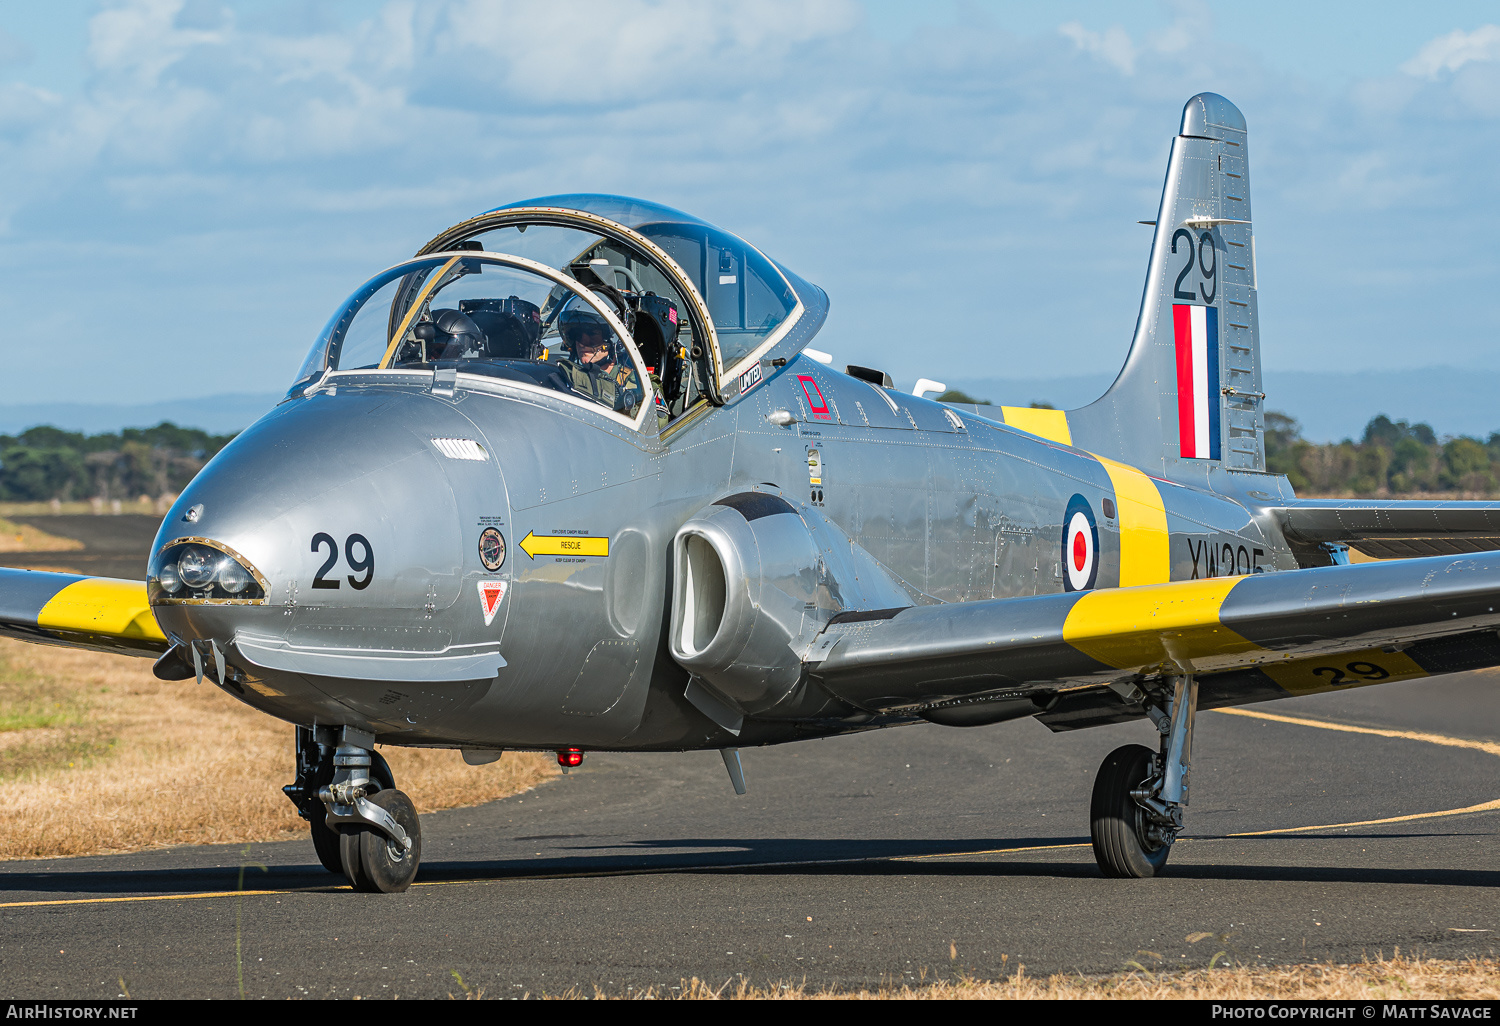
(1388, 530)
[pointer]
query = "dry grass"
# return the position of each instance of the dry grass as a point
(1397, 978)
(98, 756)
(98, 506)
(25, 538)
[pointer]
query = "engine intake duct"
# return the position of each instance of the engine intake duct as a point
(745, 579)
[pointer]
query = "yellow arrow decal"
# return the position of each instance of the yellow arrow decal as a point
(535, 545)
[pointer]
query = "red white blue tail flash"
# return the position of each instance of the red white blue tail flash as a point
(1196, 329)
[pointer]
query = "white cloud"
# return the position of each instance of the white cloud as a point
(314, 155)
(1113, 45)
(1453, 51)
(1191, 24)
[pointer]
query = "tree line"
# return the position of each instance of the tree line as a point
(1392, 458)
(45, 463)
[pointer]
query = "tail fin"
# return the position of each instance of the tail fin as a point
(1190, 395)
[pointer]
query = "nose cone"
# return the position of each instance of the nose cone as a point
(348, 506)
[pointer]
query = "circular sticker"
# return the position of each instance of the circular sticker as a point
(492, 549)
(1080, 546)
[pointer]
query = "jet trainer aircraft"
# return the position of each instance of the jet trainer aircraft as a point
(571, 480)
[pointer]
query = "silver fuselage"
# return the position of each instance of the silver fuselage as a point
(909, 503)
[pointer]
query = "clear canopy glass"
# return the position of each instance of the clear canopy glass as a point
(491, 316)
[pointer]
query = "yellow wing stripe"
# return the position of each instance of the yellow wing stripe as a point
(1145, 556)
(100, 606)
(1049, 424)
(1170, 626)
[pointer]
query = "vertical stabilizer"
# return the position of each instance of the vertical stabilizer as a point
(1189, 397)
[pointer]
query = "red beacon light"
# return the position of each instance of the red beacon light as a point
(570, 758)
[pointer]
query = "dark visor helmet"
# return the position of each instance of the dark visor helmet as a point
(579, 319)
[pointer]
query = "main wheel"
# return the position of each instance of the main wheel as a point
(1124, 845)
(326, 843)
(374, 862)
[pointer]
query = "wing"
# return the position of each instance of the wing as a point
(81, 612)
(1393, 529)
(1248, 639)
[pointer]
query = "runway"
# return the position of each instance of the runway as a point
(907, 854)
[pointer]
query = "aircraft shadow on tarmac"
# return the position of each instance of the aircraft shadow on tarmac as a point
(762, 857)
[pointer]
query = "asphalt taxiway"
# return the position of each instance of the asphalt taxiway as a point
(1345, 825)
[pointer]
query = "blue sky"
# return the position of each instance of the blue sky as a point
(190, 187)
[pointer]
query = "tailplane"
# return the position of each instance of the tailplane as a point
(1190, 396)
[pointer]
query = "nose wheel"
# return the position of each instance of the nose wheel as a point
(374, 861)
(361, 825)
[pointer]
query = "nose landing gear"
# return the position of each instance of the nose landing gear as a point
(361, 825)
(1139, 795)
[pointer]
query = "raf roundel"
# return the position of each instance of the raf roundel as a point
(1080, 546)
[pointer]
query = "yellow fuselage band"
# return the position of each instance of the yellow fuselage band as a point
(1145, 556)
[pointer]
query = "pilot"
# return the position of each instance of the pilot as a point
(597, 365)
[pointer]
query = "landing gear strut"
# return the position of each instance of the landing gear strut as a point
(361, 825)
(1139, 795)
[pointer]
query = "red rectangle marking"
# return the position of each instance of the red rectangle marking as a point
(818, 406)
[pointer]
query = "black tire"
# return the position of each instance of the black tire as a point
(1118, 823)
(372, 861)
(380, 773)
(326, 842)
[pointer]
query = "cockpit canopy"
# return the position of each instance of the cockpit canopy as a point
(491, 315)
(616, 303)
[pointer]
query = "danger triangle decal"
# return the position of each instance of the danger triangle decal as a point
(490, 594)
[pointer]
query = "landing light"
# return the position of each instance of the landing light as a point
(192, 571)
(197, 566)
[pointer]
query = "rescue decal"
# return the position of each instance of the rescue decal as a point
(815, 401)
(102, 606)
(490, 594)
(1049, 424)
(492, 549)
(1196, 331)
(535, 545)
(1165, 625)
(1144, 554)
(1080, 546)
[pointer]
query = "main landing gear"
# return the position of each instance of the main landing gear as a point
(1139, 795)
(361, 825)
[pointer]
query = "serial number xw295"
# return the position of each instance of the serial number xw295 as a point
(1213, 558)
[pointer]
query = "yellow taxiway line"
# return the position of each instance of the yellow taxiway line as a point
(1489, 747)
(163, 897)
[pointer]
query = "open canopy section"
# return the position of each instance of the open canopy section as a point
(735, 302)
(501, 317)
